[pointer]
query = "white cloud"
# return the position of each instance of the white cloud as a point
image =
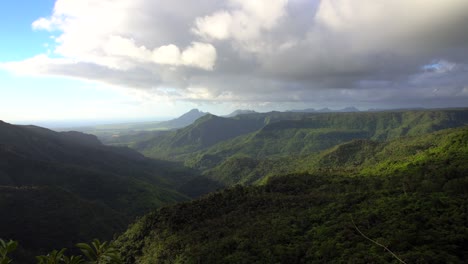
(267, 12)
(199, 54)
(35, 66)
(263, 50)
(216, 26)
(124, 47)
(101, 32)
(169, 54)
(245, 23)
(464, 92)
(43, 24)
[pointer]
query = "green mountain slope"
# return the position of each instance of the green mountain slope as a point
(298, 141)
(183, 120)
(211, 139)
(417, 210)
(204, 133)
(315, 132)
(70, 177)
(360, 156)
(34, 156)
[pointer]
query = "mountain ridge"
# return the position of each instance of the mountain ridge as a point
(63, 171)
(283, 134)
(416, 209)
(183, 120)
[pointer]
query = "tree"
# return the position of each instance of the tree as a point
(100, 253)
(5, 249)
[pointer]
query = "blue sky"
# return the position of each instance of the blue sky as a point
(41, 99)
(25, 98)
(19, 40)
(108, 60)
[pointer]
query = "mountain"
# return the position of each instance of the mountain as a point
(356, 157)
(183, 120)
(206, 131)
(348, 109)
(240, 112)
(396, 109)
(419, 124)
(407, 201)
(304, 188)
(54, 179)
(327, 110)
(221, 150)
(123, 134)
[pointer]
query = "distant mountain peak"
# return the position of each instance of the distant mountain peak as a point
(240, 112)
(327, 110)
(324, 110)
(349, 109)
(194, 110)
(192, 114)
(184, 120)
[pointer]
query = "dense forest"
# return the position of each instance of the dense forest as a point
(413, 203)
(290, 187)
(57, 189)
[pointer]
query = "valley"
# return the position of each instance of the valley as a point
(278, 187)
(234, 132)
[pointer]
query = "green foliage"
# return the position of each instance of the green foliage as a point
(73, 260)
(100, 253)
(57, 188)
(282, 134)
(205, 132)
(360, 156)
(43, 218)
(96, 253)
(250, 148)
(407, 194)
(306, 218)
(54, 257)
(313, 174)
(5, 249)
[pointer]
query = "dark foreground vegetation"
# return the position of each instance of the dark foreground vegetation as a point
(96, 252)
(58, 189)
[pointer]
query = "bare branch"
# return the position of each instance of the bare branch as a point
(375, 242)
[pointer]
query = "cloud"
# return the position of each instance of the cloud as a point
(361, 52)
(201, 55)
(244, 24)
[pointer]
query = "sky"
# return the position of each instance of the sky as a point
(153, 59)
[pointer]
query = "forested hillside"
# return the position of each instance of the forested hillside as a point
(234, 132)
(283, 134)
(251, 147)
(407, 195)
(360, 156)
(205, 132)
(61, 188)
(303, 188)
